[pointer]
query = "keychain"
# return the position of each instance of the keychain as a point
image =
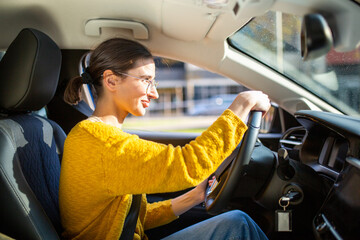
(283, 217)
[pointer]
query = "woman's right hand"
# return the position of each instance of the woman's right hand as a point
(248, 101)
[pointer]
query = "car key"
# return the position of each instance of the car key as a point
(283, 218)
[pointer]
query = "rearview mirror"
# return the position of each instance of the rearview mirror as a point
(316, 37)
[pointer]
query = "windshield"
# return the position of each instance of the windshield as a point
(274, 40)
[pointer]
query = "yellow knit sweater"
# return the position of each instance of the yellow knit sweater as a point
(102, 166)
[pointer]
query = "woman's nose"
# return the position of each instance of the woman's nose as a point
(153, 93)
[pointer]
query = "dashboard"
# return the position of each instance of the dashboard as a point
(331, 146)
(323, 141)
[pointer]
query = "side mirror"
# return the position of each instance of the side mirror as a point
(316, 37)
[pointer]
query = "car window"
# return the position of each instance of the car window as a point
(86, 93)
(190, 98)
(274, 40)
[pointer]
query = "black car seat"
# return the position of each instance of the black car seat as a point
(30, 145)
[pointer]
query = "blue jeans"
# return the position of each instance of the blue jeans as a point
(233, 225)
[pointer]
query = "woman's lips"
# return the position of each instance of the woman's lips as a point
(145, 103)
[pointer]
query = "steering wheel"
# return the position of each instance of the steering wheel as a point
(218, 194)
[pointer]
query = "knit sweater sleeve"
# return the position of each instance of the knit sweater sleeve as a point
(133, 166)
(158, 214)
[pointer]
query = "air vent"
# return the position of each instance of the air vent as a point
(293, 138)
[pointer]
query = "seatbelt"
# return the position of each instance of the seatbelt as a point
(131, 219)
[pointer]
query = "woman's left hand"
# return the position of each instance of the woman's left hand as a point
(201, 189)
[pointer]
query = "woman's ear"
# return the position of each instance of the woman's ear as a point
(109, 80)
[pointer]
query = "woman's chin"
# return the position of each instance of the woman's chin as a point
(139, 112)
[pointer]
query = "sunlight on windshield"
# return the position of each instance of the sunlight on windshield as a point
(274, 39)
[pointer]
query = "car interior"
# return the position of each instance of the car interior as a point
(296, 171)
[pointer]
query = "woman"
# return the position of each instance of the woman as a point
(102, 166)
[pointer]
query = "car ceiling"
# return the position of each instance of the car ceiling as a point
(185, 30)
(177, 20)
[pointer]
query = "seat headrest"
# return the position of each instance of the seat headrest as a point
(29, 72)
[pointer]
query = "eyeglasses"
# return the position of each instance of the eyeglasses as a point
(151, 83)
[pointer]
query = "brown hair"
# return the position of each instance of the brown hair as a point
(116, 54)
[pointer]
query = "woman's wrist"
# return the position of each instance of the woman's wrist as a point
(197, 196)
(241, 109)
(186, 201)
